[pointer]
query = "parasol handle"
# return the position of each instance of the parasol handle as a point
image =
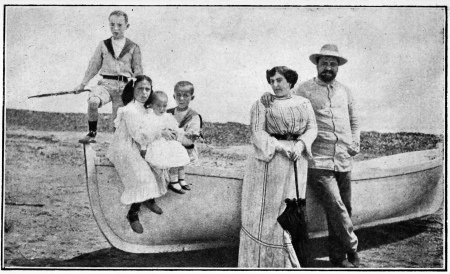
(296, 180)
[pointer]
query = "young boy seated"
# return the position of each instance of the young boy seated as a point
(116, 59)
(189, 120)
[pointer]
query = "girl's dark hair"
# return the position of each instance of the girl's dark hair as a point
(290, 75)
(128, 90)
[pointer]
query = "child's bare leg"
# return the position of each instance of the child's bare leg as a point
(174, 185)
(93, 105)
(181, 179)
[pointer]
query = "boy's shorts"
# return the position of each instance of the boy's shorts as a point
(109, 91)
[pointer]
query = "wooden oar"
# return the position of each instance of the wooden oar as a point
(58, 93)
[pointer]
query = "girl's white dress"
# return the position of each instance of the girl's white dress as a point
(162, 153)
(133, 131)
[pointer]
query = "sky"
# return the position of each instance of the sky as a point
(396, 56)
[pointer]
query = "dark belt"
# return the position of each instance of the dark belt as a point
(189, 147)
(287, 137)
(116, 77)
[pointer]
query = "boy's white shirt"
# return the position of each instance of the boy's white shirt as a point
(179, 115)
(118, 45)
(193, 127)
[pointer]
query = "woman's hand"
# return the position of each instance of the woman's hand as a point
(169, 134)
(267, 99)
(283, 149)
(297, 151)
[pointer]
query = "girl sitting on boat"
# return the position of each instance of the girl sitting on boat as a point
(142, 183)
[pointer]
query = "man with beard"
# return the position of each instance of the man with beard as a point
(329, 171)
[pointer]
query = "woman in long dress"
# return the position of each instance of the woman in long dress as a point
(142, 183)
(281, 134)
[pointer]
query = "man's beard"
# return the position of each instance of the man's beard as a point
(327, 76)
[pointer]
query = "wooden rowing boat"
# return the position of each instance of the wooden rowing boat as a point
(385, 190)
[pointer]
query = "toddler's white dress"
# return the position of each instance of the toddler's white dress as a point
(162, 153)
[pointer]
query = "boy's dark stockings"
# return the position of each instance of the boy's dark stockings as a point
(92, 126)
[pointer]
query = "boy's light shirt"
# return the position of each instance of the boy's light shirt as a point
(118, 45)
(193, 127)
(104, 63)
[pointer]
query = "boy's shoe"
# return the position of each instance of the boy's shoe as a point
(151, 204)
(136, 226)
(179, 191)
(353, 258)
(184, 185)
(89, 138)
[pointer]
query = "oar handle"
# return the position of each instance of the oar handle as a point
(59, 93)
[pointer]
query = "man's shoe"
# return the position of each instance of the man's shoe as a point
(353, 258)
(179, 191)
(342, 263)
(151, 204)
(89, 138)
(136, 226)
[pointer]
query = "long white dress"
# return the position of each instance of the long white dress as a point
(141, 181)
(162, 153)
(269, 180)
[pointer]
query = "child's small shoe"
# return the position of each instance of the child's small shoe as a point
(176, 187)
(184, 185)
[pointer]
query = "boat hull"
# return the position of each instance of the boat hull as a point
(384, 190)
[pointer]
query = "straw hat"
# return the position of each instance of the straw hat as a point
(328, 50)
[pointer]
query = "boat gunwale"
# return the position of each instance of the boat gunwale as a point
(369, 168)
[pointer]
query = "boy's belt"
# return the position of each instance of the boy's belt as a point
(287, 137)
(116, 77)
(189, 147)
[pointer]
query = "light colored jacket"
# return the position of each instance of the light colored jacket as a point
(103, 61)
(337, 123)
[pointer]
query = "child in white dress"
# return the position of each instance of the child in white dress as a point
(162, 153)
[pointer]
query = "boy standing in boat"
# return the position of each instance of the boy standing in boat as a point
(191, 122)
(116, 59)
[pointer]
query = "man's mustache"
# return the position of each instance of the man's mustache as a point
(327, 71)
